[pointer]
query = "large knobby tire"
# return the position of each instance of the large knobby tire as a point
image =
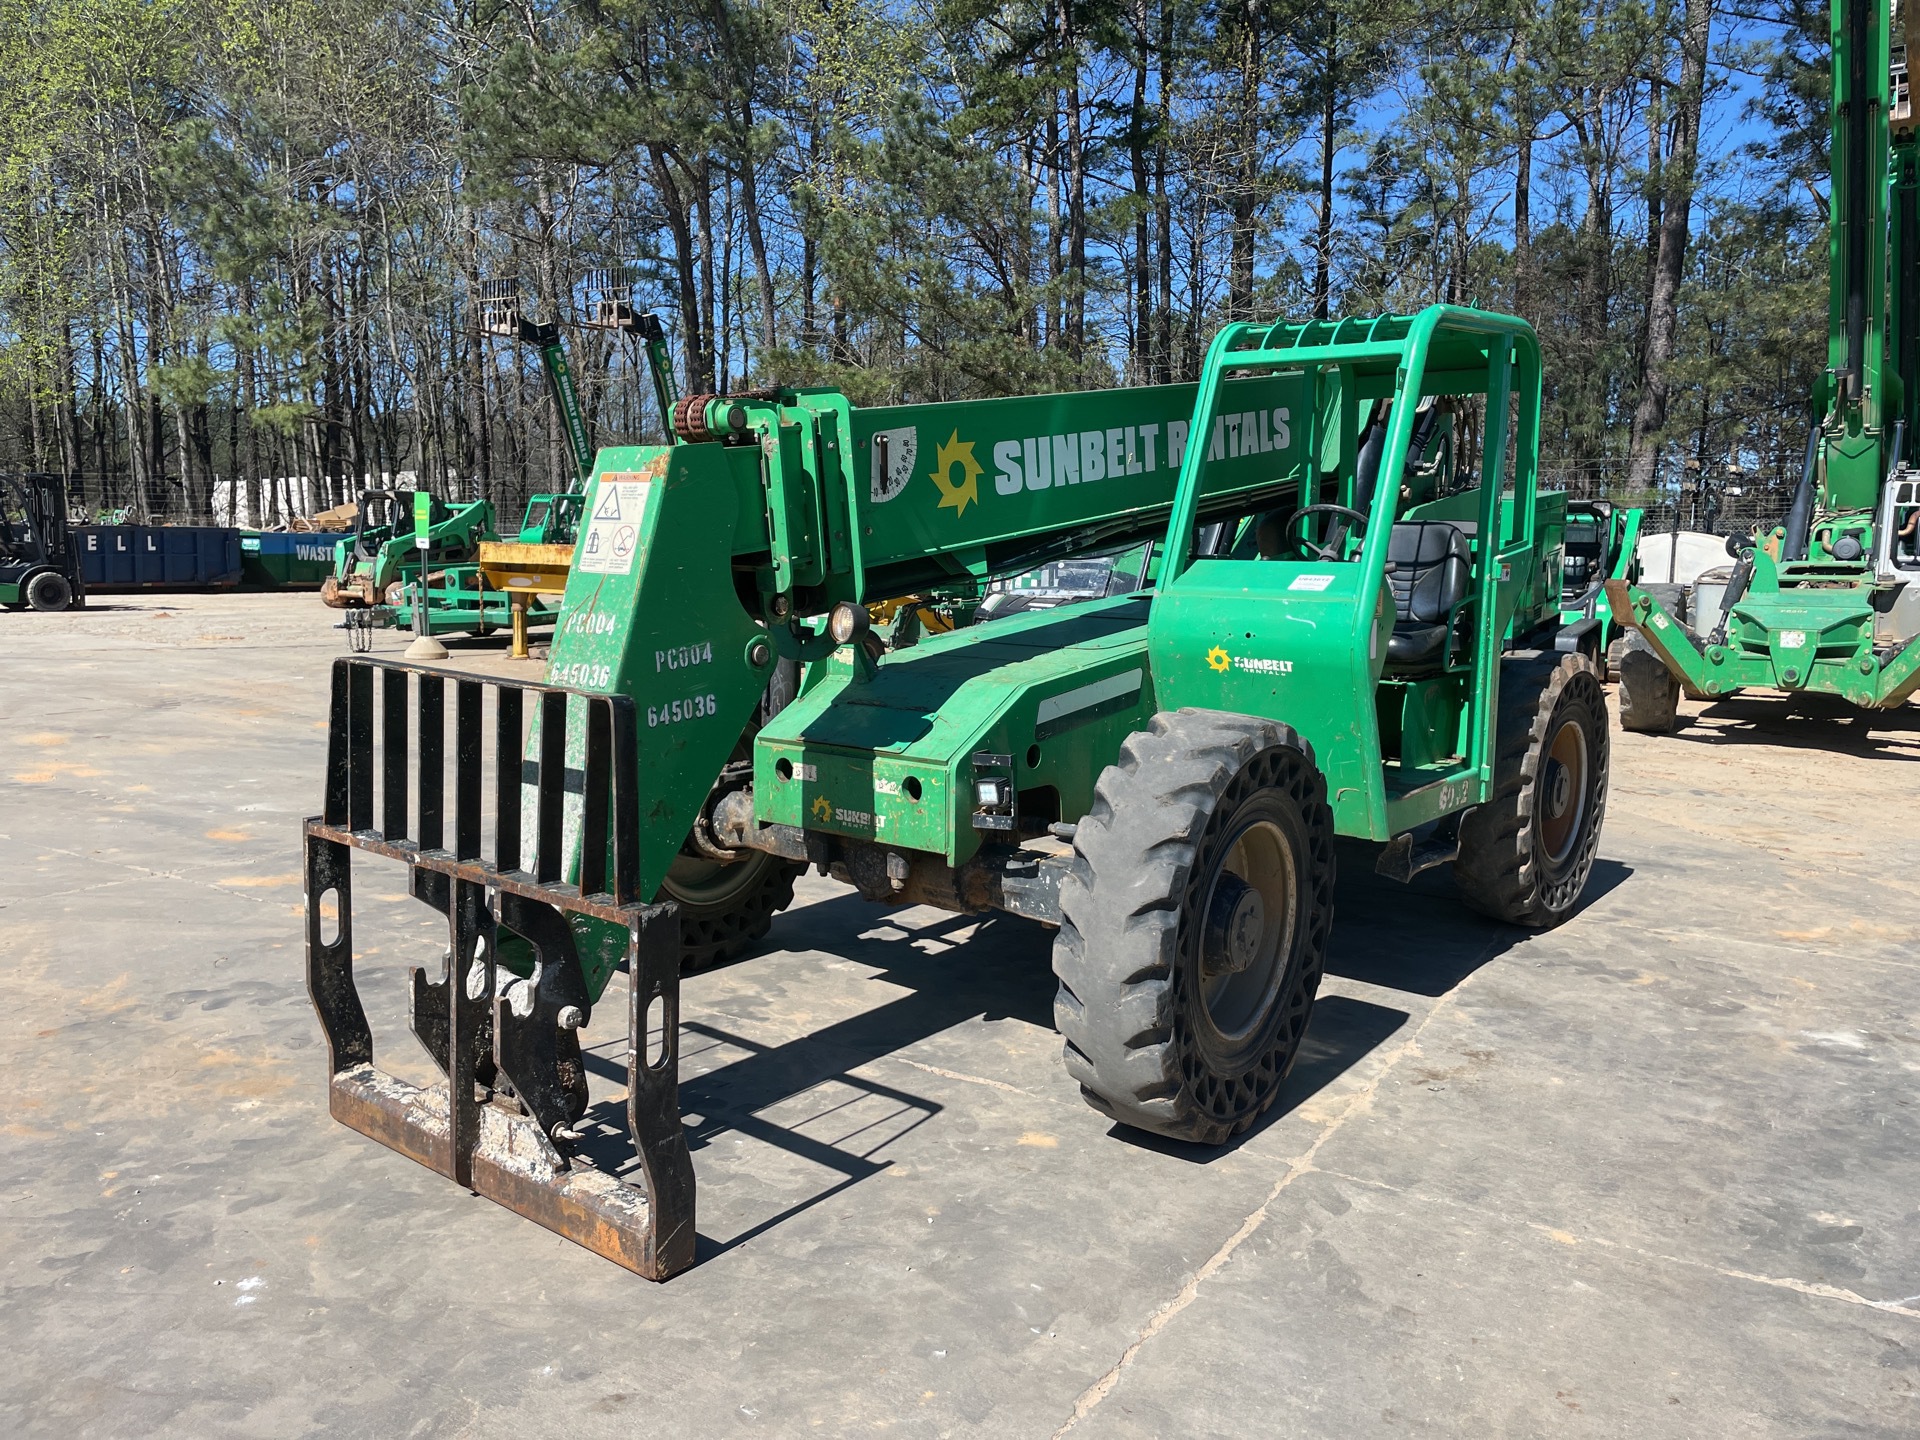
(49, 591)
(1525, 855)
(1193, 924)
(1649, 692)
(724, 909)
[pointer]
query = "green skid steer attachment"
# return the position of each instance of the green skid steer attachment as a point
(1351, 627)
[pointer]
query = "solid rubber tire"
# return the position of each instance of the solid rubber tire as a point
(1616, 648)
(48, 591)
(1502, 870)
(715, 931)
(1649, 692)
(1129, 1004)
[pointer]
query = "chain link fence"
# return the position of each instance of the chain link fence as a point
(1732, 503)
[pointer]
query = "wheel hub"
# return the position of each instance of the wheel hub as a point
(1236, 923)
(1563, 792)
(1559, 788)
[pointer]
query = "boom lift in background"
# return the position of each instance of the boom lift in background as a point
(1830, 601)
(378, 567)
(1341, 639)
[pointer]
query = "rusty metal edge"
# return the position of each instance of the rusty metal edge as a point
(595, 1210)
(397, 1114)
(556, 893)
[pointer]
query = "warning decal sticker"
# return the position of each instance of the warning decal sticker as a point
(613, 530)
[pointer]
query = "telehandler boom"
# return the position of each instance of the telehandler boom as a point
(1345, 636)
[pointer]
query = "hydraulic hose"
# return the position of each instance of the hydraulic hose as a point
(1800, 514)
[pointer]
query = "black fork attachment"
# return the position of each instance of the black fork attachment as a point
(502, 1123)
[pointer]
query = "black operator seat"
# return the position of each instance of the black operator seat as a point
(1582, 559)
(1430, 567)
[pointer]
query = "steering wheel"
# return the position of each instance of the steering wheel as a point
(1324, 552)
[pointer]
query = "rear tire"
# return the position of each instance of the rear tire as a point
(49, 591)
(1194, 924)
(1616, 648)
(1525, 854)
(1672, 598)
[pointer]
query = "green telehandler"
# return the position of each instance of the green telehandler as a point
(1340, 638)
(1829, 602)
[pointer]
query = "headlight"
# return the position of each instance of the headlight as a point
(848, 622)
(993, 794)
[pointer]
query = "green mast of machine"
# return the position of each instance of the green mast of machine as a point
(1830, 601)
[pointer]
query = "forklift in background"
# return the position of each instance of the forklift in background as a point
(39, 561)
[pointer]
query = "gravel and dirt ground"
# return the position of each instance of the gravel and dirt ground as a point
(1652, 1174)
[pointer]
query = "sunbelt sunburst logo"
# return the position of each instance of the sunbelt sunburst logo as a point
(956, 495)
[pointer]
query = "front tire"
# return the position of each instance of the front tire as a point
(49, 591)
(1525, 854)
(724, 909)
(1194, 924)
(1649, 693)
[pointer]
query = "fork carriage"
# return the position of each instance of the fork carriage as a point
(502, 1017)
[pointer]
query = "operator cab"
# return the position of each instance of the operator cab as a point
(379, 518)
(552, 519)
(1898, 528)
(1591, 550)
(1429, 560)
(384, 514)
(16, 527)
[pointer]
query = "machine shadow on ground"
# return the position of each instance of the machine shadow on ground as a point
(1421, 937)
(1805, 722)
(956, 970)
(732, 1084)
(1417, 938)
(803, 1095)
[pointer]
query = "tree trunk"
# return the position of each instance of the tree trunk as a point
(693, 346)
(703, 208)
(1056, 233)
(757, 242)
(1163, 207)
(1076, 190)
(1671, 254)
(1142, 349)
(1525, 125)
(1245, 187)
(247, 456)
(69, 408)
(1329, 129)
